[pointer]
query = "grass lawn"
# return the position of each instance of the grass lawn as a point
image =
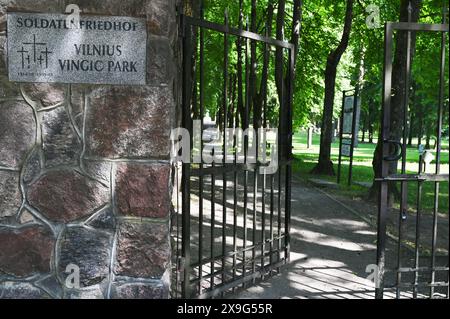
(362, 170)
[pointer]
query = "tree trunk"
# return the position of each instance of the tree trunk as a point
(253, 61)
(428, 141)
(262, 94)
(411, 129)
(192, 8)
(371, 119)
(195, 105)
(325, 166)
(295, 38)
(279, 54)
(310, 138)
(420, 134)
(220, 114)
(412, 116)
(283, 82)
(398, 95)
(296, 25)
(240, 102)
(231, 99)
(366, 124)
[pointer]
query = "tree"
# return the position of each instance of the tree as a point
(251, 69)
(325, 165)
(295, 37)
(409, 9)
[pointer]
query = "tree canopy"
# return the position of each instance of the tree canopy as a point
(323, 31)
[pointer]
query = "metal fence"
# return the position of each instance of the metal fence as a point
(409, 271)
(231, 222)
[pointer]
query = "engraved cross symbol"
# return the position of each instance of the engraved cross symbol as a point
(24, 57)
(39, 55)
(46, 52)
(35, 45)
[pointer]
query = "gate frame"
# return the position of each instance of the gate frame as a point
(284, 144)
(404, 178)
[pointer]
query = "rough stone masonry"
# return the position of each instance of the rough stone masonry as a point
(85, 171)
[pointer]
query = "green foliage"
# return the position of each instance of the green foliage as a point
(425, 67)
(322, 24)
(363, 172)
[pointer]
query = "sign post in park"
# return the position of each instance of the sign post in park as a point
(348, 131)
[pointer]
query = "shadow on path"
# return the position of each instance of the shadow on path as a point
(330, 250)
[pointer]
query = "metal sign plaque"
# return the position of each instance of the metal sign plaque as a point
(95, 49)
(346, 147)
(348, 114)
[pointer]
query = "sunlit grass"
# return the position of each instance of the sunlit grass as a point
(363, 172)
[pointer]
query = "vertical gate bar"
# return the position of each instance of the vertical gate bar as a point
(341, 135)
(281, 128)
(194, 105)
(225, 150)
(404, 185)
(256, 143)
(246, 126)
(237, 125)
(235, 180)
(438, 155)
(291, 69)
(253, 79)
(253, 90)
(434, 232)
(272, 199)
(383, 194)
(263, 223)
(255, 197)
(354, 134)
(263, 156)
(279, 214)
(186, 219)
(417, 243)
(201, 178)
(235, 195)
(213, 223)
(401, 230)
(179, 221)
(179, 254)
(445, 21)
(287, 218)
(213, 213)
(177, 224)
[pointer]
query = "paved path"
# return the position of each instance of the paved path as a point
(331, 248)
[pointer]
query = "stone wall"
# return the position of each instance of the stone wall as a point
(85, 171)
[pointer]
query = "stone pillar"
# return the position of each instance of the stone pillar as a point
(85, 172)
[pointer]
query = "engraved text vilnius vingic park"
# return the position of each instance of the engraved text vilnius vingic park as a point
(95, 49)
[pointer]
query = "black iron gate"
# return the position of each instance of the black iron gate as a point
(232, 220)
(406, 270)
